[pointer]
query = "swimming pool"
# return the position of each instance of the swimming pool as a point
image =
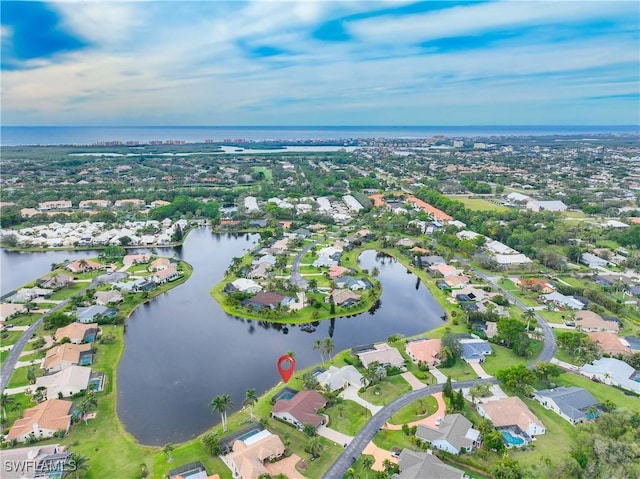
(511, 439)
(248, 435)
(287, 395)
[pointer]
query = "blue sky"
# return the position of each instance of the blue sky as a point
(320, 62)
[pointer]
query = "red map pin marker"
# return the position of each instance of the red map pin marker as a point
(286, 366)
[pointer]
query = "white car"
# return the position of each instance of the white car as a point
(438, 421)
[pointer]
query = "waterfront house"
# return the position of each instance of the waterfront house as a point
(245, 285)
(512, 413)
(336, 379)
(57, 281)
(454, 435)
(78, 333)
(10, 310)
(89, 314)
(159, 264)
(43, 420)
(108, 297)
(301, 409)
(65, 383)
(266, 299)
(83, 266)
(133, 259)
(166, 275)
(65, 355)
(249, 455)
(383, 354)
(573, 404)
(343, 297)
(425, 350)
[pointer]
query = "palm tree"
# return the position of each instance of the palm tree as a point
(367, 462)
(315, 447)
(328, 347)
(87, 404)
(318, 346)
(250, 400)
(168, 451)
(77, 467)
(529, 314)
(221, 404)
(6, 400)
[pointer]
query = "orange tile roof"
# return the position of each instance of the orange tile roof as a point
(65, 352)
(52, 415)
(378, 200)
(435, 212)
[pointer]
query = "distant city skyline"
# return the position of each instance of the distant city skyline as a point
(320, 63)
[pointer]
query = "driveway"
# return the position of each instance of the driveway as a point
(379, 455)
(477, 367)
(439, 375)
(286, 466)
(351, 393)
(333, 435)
(413, 381)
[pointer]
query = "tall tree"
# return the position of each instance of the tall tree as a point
(221, 404)
(319, 346)
(328, 346)
(250, 400)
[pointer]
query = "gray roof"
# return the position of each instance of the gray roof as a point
(420, 465)
(90, 312)
(475, 350)
(454, 429)
(573, 401)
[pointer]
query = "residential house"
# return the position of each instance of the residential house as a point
(469, 293)
(89, 314)
(301, 409)
(86, 204)
(454, 435)
(535, 205)
(300, 233)
(511, 259)
(590, 321)
(610, 343)
(249, 455)
(422, 465)
(614, 372)
(267, 258)
(65, 355)
(108, 297)
(335, 271)
(352, 283)
(10, 310)
(55, 205)
(193, 470)
(425, 350)
(83, 265)
(42, 461)
(43, 420)
(132, 259)
(260, 271)
(535, 284)
(593, 261)
(78, 333)
(383, 354)
(159, 264)
(343, 297)
(166, 275)
(443, 270)
(336, 379)
(65, 383)
(266, 299)
(24, 295)
(427, 261)
(474, 349)
(405, 243)
(512, 413)
(561, 300)
(456, 282)
(245, 285)
(129, 201)
(57, 281)
(573, 404)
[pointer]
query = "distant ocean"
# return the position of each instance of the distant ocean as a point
(81, 135)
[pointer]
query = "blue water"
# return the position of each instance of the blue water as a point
(513, 440)
(87, 135)
(286, 396)
(248, 435)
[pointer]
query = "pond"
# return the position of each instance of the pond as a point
(182, 349)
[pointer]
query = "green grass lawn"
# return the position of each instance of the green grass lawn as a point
(554, 316)
(9, 337)
(391, 388)
(66, 293)
(572, 281)
(37, 356)
(478, 204)
(601, 392)
(19, 376)
(415, 411)
(388, 439)
(24, 319)
(460, 371)
(505, 358)
(354, 417)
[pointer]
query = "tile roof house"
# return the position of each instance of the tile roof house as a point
(352, 283)
(301, 409)
(383, 354)
(81, 266)
(9, 310)
(166, 275)
(336, 379)
(248, 456)
(68, 382)
(590, 321)
(444, 270)
(614, 372)
(535, 284)
(65, 355)
(425, 350)
(108, 297)
(159, 264)
(421, 465)
(343, 297)
(573, 404)
(565, 301)
(78, 332)
(610, 343)
(42, 420)
(88, 314)
(246, 285)
(45, 461)
(265, 299)
(132, 259)
(335, 271)
(511, 412)
(454, 282)
(454, 435)
(57, 281)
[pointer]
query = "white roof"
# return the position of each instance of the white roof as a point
(244, 284)
(618, 371)
(511, 258)
(336, 378)
(73, 377)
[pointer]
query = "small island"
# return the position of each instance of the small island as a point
(300, 275)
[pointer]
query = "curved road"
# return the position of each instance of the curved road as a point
(12, 358)
(353, 450)
(296, 278)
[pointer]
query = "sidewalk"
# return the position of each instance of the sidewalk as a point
(351, 393)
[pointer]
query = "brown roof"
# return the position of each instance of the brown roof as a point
(427, 351)
(52, 414)
(435, 212)
(456, 280)
(78, 265)
(609, 342)
(268, 298)
(510, 411)
(303, 407)
(166, 273)
(74, 331)
(65, 352)
(340, 296)
(590, 320)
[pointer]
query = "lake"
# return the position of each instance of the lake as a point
(182, 349)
